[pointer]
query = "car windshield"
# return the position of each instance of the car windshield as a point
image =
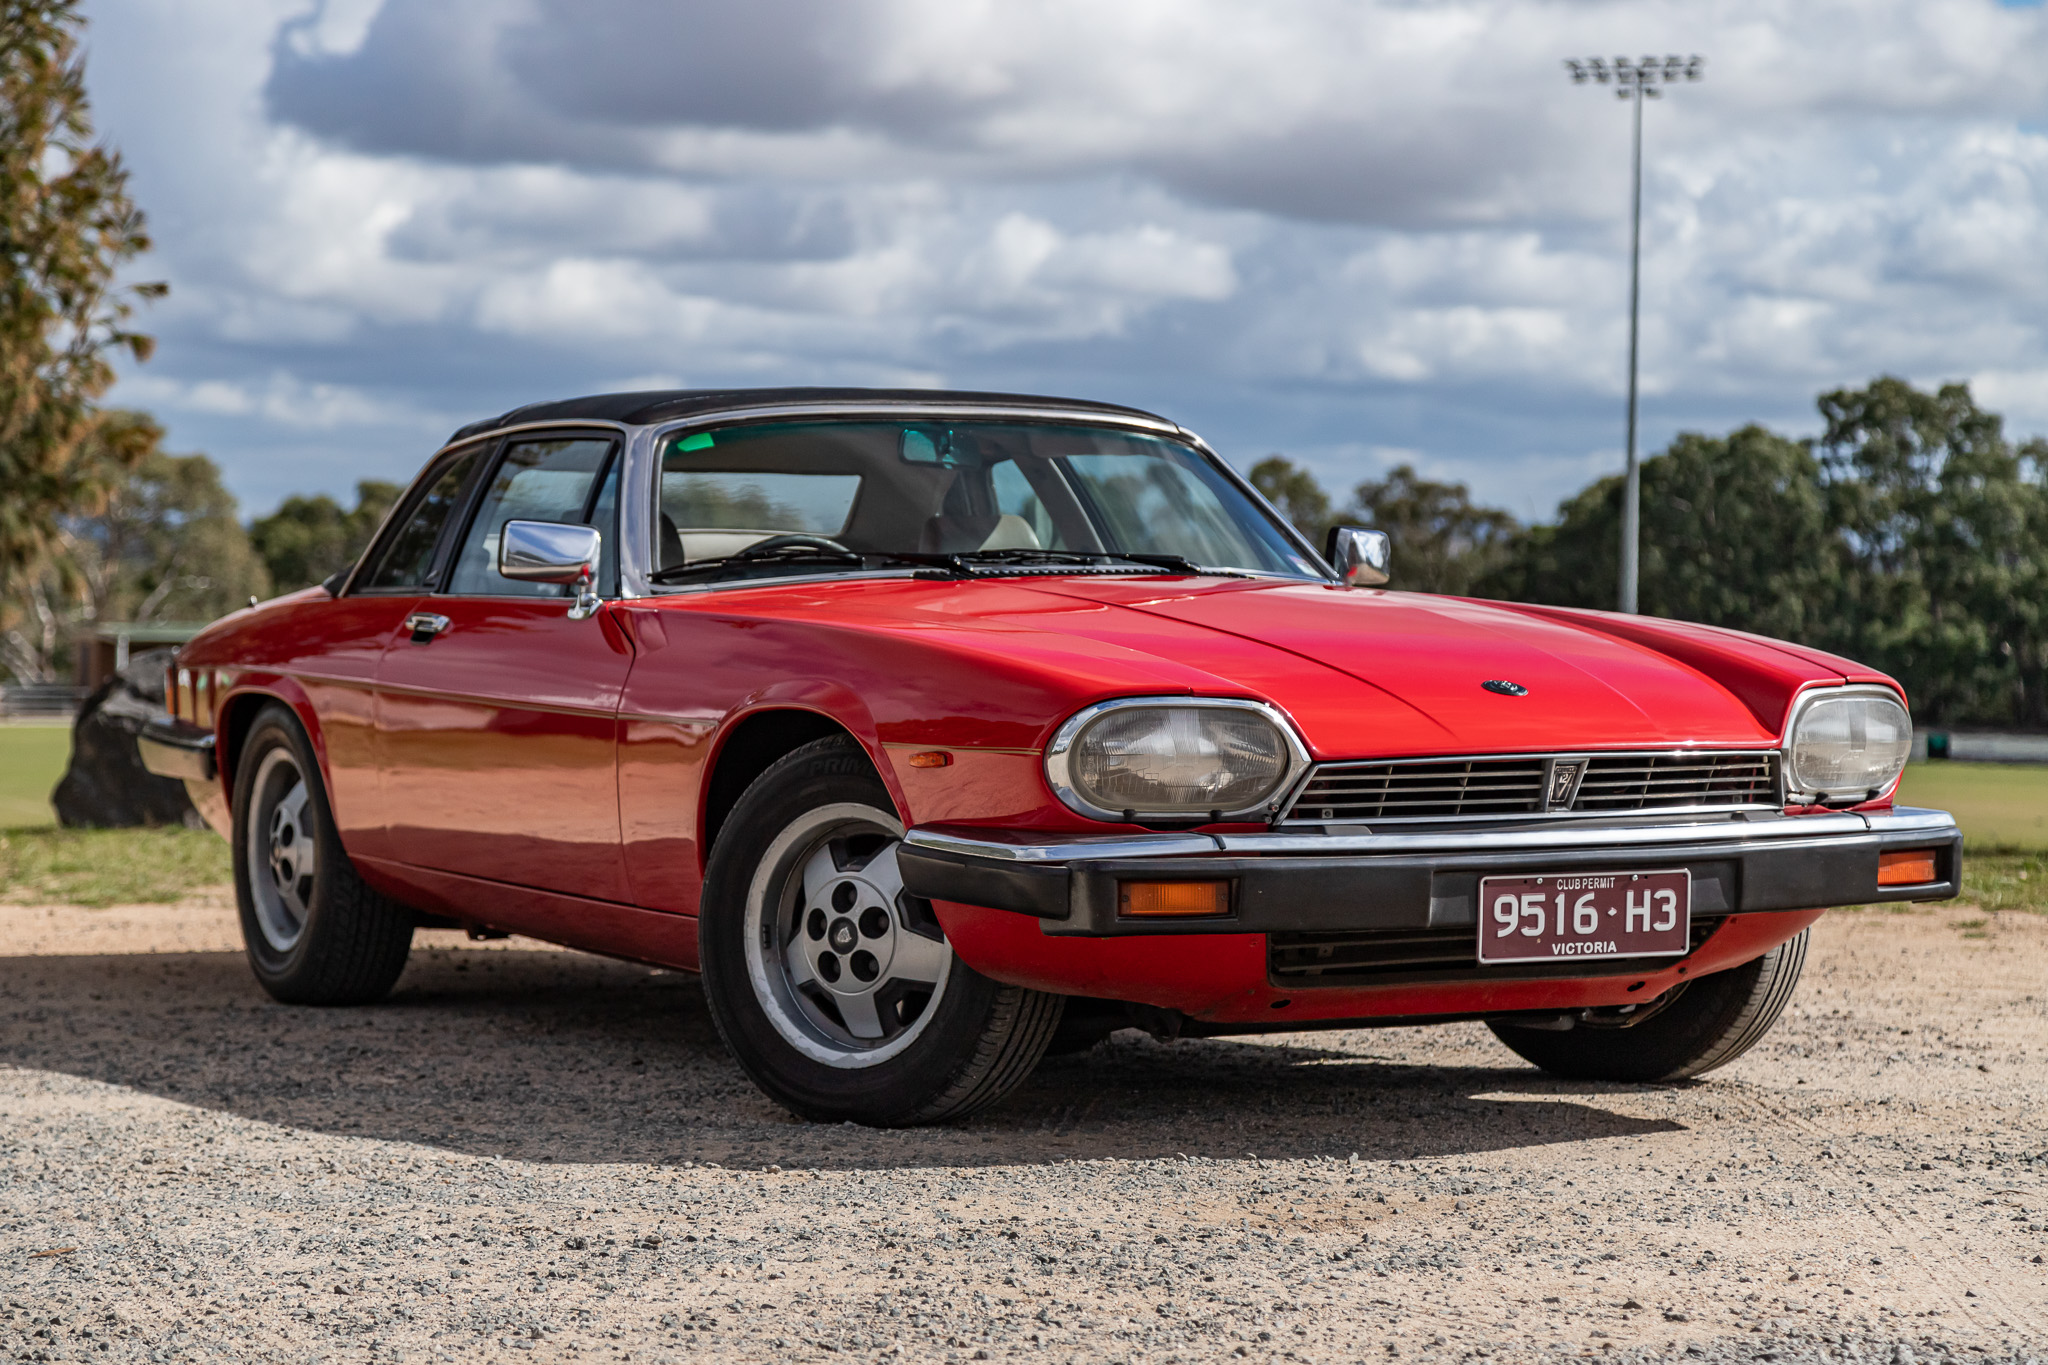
(980, 496)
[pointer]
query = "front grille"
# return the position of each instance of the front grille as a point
(1467, 788)
(1385, 957)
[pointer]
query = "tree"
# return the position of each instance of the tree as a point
(1946, 527)
(66, 227)
(309, 538)
(1442, 540)
(1296, 493)
(1735, 532)
(168, 546)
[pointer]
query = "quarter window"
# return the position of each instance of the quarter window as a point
(407, 559)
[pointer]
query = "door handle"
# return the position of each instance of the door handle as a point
(425, 625)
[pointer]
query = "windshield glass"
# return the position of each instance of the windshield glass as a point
(986, 494)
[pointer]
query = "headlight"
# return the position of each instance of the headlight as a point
(1846, 745)
(1173, 758)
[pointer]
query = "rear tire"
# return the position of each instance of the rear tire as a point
(316, 933)
(1706, 1023)
(836, 991)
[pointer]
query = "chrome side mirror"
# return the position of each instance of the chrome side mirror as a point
(553, 552)
(1359, 556)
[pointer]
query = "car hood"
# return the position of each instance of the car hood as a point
(1396, 672)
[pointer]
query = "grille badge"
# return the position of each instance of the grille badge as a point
(1505, 688)
(1562, 787)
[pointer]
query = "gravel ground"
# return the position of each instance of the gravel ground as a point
(533, 1154)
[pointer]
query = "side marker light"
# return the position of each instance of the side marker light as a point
(1185, 899)
(1906, 867)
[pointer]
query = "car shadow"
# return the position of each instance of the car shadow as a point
(556, 1056)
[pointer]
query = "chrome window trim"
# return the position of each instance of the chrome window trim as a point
(1547, 758)
(649, 440)
(1798, 709)
(1057, 757)
(618, 428)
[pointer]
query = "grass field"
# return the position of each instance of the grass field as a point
(32, 758)
(2003, 809)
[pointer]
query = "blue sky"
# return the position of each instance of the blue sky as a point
(1355, 231)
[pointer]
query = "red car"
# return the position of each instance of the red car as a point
(936, 730)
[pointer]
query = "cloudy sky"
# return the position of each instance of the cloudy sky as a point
(1356, 231)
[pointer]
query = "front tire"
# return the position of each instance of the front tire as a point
(1704, 1024)
(835, 990)
(316, 933)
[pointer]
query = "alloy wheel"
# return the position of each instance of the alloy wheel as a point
(845, 963)
(284, 859)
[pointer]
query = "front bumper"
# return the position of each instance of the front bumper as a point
(181, 750)
(1311, 883)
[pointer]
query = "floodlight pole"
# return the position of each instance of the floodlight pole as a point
(1632, 492)
(1636, 82)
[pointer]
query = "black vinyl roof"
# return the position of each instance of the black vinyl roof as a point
(663, 405)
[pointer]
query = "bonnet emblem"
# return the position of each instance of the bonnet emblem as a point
(1505, 688)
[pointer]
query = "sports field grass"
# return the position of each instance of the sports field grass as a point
(32, 758)
(2002, 807)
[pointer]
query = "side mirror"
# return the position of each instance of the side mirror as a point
(1359, 556)
(553, 552)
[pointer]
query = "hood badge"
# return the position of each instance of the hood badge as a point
(1505, 688)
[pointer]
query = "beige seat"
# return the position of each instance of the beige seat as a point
(1011, 532)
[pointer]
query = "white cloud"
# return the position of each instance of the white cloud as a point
(1337, 227)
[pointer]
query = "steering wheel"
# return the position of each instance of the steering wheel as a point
(763, 549)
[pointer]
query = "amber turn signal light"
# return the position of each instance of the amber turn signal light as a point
(1173, 898)
(932, 758)
(1908, 867)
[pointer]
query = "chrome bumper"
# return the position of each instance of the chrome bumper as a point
(177, 749)
(182, 751)
(1284, 882)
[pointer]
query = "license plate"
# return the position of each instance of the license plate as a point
(1572, 915)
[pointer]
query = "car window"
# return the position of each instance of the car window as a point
(990, 489)
(545, 480)
(708, 512)
(407, 557)
(1161, 507)
(1025, 521)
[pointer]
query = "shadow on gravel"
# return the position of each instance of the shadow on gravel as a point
(546, 1056)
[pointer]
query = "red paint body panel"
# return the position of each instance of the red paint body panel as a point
(548, 776)
(497, 745)
(319, 656)
(1586, 690)
(574, 921)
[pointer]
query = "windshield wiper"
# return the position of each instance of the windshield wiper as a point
(1179, 564)
(796, 554)
(785, 554)
(961, 564)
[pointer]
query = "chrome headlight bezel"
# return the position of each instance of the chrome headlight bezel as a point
(1801, 794)
(1059, 755)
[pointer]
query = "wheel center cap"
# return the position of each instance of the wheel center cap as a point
(851, 935)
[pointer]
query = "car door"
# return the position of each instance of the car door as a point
(337, 647)
(497, 713)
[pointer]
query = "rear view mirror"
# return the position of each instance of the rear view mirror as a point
(1359, 556)
(553, 552)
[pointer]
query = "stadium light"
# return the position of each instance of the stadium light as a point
(1634, 81)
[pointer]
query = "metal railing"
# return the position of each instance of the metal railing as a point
(40, 701)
